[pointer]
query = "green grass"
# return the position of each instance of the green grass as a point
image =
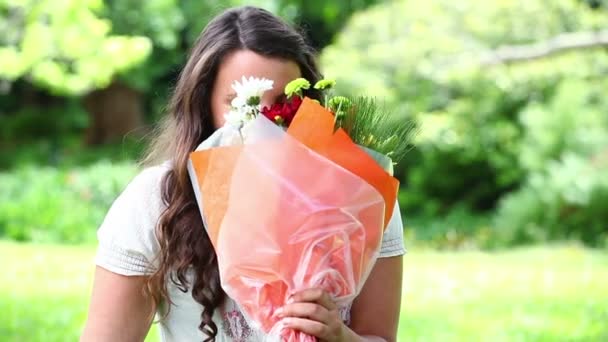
(44, 291)
(554, 293)
(535, 294)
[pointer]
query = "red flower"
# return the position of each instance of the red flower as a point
(283, 113)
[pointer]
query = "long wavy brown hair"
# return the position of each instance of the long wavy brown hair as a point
(184, 245)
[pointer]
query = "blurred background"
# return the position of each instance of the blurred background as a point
(504, 195)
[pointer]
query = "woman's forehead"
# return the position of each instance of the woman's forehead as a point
(248, 63)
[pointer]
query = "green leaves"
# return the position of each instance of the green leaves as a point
(59, 205)
(372, 125)
(69, 49)
(509, 136)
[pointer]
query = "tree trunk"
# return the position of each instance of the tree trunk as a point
(114, 112)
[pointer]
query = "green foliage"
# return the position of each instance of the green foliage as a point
(565, 149)
(162, 22)
(173, 27)
(66, 152)
(458, 230)
(518, 137)
(77, 46)
(371, 124)
(321, 19)
(54, 136)
(52, 205)
(33, 122)
(574, 120)
(569, 199)
(596, 4)
(485, 130)
(66, 49)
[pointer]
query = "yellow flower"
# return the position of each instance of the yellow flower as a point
(325, 84)
(296, 86)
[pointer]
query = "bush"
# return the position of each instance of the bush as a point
(53, 205)
(565, 151)
(485, 130)
(457, 230)
(54, 135)
(567, 200)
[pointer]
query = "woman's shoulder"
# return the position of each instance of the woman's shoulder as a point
(148, 181)
(127, 235)
(143, 194)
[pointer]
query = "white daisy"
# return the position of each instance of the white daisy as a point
(246, 105)
(236, 117)
(249, 88)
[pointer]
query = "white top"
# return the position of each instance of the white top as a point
(128, 246)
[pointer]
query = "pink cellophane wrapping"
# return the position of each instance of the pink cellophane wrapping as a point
(283, 218)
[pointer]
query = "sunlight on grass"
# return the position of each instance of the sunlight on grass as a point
(44, 291)
(533, 294)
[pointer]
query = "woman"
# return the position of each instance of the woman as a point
(154, 255)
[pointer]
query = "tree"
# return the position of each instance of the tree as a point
(122, 56)
(173, 26)
(67, 50)
(430, 59)
(321, 20)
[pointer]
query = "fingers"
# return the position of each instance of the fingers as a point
(314, 296)
(307, 326)
(312, 311)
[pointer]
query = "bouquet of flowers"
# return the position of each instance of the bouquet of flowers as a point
(296, 195)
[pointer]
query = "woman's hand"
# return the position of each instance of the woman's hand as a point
(313, 312)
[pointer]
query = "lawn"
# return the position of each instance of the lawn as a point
(534, 294)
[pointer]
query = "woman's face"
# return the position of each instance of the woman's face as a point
(248, 63)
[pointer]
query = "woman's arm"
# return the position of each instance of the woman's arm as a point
(375, 312)
(119, 311)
